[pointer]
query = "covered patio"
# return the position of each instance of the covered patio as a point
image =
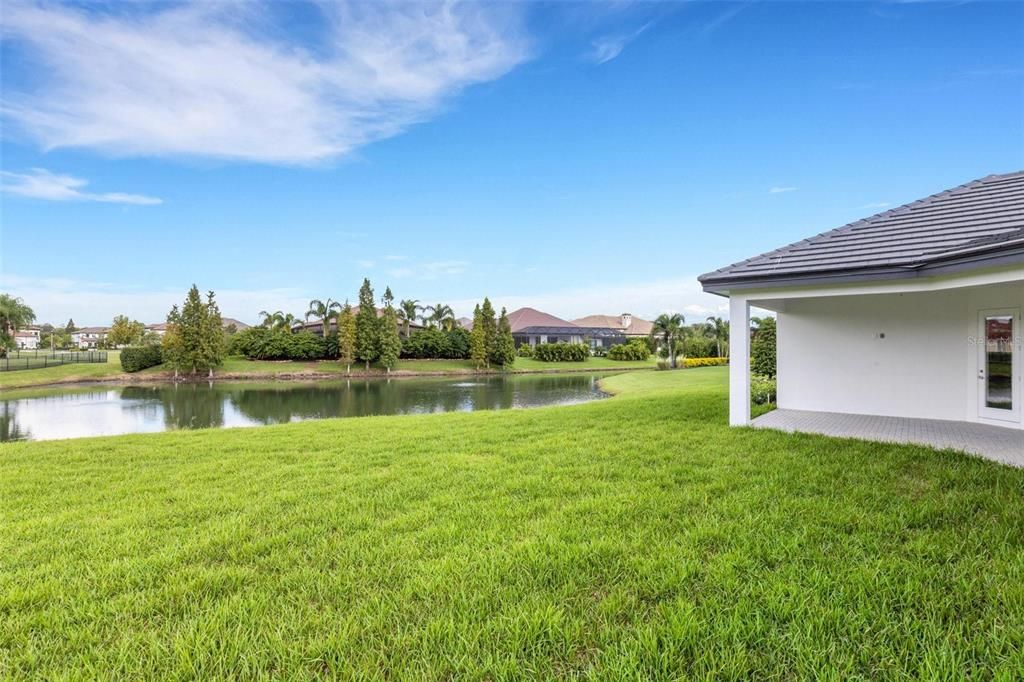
(1000, 444)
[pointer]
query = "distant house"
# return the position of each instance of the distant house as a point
(27, 339)
(228, 323)
(532, 327)
(89, 337)
(238, 325)
(609, 330)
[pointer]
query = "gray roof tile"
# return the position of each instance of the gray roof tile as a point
(981, 216)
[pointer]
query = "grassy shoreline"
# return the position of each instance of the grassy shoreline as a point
(637, 537)
(240, 369)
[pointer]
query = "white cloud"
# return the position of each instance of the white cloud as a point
(607, 48)
(645, 299)
(40, 183)
(877, 204)
(366, 263)
(220, 79)
(781, 190)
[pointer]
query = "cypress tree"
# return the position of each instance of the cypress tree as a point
(490, 325)
(367, 326)
(212, 345)
(390, 342)
(504, 345)
(478, 340)
(347, 337)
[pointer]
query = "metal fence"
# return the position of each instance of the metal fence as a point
(15, 360)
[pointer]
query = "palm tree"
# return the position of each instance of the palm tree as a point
(719, 331)
(325, 311)
(407, 311)
(14, 315)
(278, 321)
(667, 329)
(442, 315)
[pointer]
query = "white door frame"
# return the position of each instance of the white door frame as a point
(985, 412)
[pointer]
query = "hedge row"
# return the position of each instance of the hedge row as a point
(636, 349)
(561, 352)
(437, 344)
(135, 358)
(705, 362)
(260, 343)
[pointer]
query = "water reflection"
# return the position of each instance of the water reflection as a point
(100, 410)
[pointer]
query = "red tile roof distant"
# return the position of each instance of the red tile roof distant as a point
(531, 317)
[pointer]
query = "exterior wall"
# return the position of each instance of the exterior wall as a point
(902, 354)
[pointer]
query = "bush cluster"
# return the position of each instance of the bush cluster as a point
(437, 344)
(259, 343)
(561, 352)
(705, 362)
(525, 351)
(136, 358)
(763, 389)
(636, 349)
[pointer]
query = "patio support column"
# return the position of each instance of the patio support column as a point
(739, 361)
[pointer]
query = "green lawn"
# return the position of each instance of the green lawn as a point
(85, 371)
(631, 538)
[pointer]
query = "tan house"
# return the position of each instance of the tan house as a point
(625, 324)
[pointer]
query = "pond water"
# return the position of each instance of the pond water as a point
(99, 410)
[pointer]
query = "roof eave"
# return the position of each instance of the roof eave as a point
(996, 257)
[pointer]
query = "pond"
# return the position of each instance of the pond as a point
(103, 410)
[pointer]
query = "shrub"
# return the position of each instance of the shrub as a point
(705, 362)
(260, 343)
(762, 389)
(664, 364)
(698, 347)
(437, 344)
(636, 349)
(762, 349)
(561, 352)
(525, 351)
(135, 358)
(599, 351)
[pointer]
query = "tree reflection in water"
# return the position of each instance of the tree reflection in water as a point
(206, 405)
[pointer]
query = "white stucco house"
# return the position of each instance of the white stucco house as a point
(911, 313)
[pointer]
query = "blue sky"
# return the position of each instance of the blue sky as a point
(579, 158)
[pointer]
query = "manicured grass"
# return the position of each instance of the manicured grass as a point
(85, 371)
(631, 538)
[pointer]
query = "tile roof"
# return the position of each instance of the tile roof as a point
(637, 326)
(980, 217)
(524, 318)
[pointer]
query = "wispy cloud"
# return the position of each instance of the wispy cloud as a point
(607, 48)
(40, 183)
(366, 263)
(210, 79)
(429, 270)
(782, 190)
(722, 19)
(877, 204)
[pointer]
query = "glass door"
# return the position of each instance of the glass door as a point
(999, 365)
